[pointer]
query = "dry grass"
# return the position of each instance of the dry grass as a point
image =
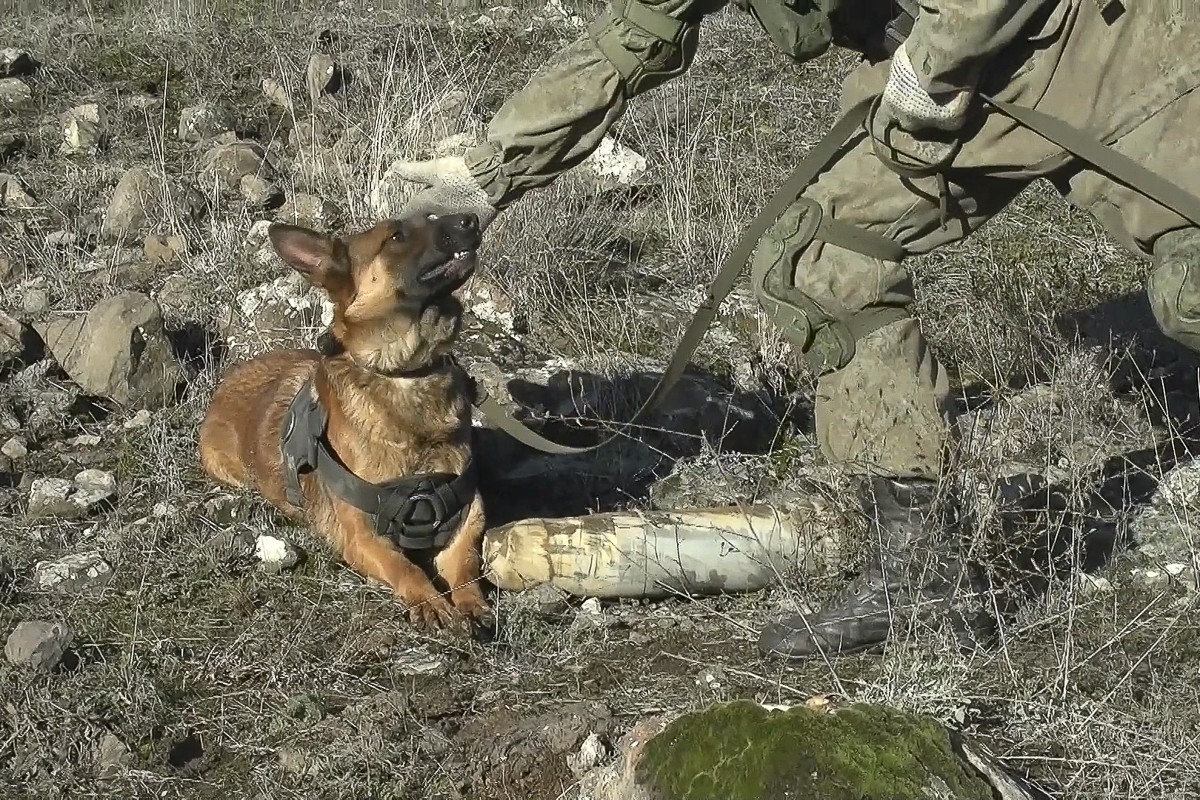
(225, 681)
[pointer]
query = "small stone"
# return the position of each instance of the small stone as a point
(34, 301)
(1095, 584)
(48, 497)
(77, 573)
(309, 211)
(14, 62)
(224, 509)
(38, 645)
(306, 134)
(276, 554)
(162, 251)
(591, 606)
(418, 662)
(85, 440)
(259, 192)
(59, 240)
(13, 195)
(591, 753)
(118, 350)
(175, 296)
(140, 419)
(275, 93)
(198, 123)
(83, 128)
(544, 600)
(112, 756)
(127, 212)
(225, 165)
(322, 76)
(15, 94)
(15, 448)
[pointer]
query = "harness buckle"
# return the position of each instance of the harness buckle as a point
(410, 512)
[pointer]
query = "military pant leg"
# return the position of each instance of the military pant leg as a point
(1166, 144)
(881, 401)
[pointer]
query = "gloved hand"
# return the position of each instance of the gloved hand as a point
(914, 109)
(451, 188)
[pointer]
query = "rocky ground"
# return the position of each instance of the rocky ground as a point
(166, 639)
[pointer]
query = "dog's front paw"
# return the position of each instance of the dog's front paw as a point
(435, 614)
(472, 606)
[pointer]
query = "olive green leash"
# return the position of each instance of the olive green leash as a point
(1115, 165)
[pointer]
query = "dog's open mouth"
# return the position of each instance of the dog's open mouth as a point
(454, 271)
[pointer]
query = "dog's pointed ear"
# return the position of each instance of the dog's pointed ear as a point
(312, 254)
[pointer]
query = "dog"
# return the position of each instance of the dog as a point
(368, 438)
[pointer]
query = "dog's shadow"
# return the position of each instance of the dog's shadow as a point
(581, 409)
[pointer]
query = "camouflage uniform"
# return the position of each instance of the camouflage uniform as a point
(1127, 78)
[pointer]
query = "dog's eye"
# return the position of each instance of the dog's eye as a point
(398, 234)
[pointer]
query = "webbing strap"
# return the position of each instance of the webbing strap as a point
(661, 26)
(831, 231)
(1115, 165)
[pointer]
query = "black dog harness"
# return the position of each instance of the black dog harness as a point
(417, 513)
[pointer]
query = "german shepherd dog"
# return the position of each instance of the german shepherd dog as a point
(353, 437)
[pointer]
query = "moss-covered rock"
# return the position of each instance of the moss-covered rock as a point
(743, 751)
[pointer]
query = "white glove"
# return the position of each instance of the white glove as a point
(452, 189)
(914, 109)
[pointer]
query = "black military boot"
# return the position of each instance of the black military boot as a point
(908, 576)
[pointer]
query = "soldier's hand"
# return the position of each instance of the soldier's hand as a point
(913, 108)
(450, 188)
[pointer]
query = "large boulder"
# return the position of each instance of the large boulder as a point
(822, 750)
(118, 350)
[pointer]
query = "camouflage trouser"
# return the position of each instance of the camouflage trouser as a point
(882, 404)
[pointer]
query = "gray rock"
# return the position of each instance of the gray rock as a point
(259, 192)
(83, 127)
(112, 756)
(94, 486)
(139, 203)
(163, 251)
(14, 62)
(13, 195)
(275, 93)
(15, 448)
(175, 296)
(73, 574)
(309, 211)
(118, 350)
(201, 122)
(288, 312)
(38, 645)
(15, 94)
(59, 497)
(322, 76)
(306, 134)
(224, 166)
(34, 301)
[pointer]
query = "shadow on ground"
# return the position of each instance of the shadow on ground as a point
(581, 409)
(1050, 529)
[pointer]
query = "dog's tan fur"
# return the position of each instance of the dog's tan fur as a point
(381, 427)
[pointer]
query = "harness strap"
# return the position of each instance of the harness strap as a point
(417, 512)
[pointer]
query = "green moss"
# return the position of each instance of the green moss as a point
(742, 751)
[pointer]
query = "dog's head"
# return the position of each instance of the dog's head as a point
(392, 286)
